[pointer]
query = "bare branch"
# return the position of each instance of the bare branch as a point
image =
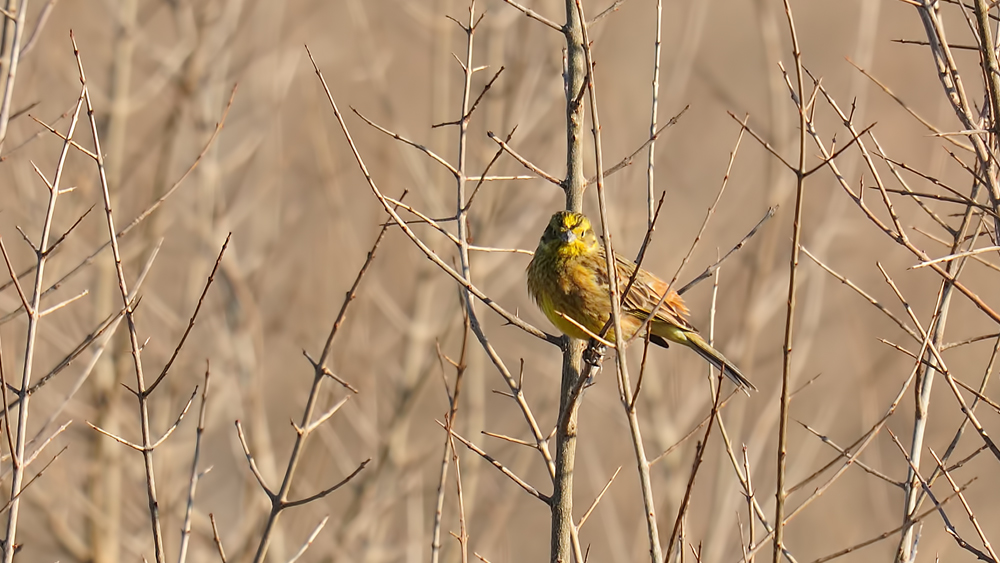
(535, 16)
(309, 540)
(250, 460)
(510, 474)
(524, 162)
(194, 315)
(324, 492)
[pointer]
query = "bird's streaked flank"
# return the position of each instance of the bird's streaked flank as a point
(568, 277)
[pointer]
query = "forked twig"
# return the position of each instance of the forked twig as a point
(535, 16)
(503, 469)
(889, 533)
(711, 269)
(32, 310)
(965, 505)
(194, 316)
(624, 385)
(793, 267)
(195, 475)
(540, 439)
(940, 509)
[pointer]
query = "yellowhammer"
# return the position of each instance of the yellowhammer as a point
(569, 275)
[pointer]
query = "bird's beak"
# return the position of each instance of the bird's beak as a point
(568, 237)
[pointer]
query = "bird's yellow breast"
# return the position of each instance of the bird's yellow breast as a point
(567, 283)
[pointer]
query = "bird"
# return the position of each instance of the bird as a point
(568, 279)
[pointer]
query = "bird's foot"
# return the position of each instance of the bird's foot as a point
(594, 354)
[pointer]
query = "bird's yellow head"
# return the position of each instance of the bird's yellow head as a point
(568, 234)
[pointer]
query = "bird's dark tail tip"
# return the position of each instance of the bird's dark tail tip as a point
(720, 362)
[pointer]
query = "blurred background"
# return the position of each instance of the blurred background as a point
(281, 178)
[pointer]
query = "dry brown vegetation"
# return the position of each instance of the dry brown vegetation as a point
(236, 265)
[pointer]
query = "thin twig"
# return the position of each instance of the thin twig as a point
(889, 533)
(147, 450)
(414, 144)
(493, 461)
(624, 389)
(845, 453)
(309, 540)
(195, 475)
(32, 310)
(524, 162)
(697, 238)
(593, 505)
(535, 15)
(194, 315)
(711, 269)
(698, 457)
(148, 211)
(944, 517)
(217, 539)
(956, 255)
(516, 391)
(793, 267)
(965, 505)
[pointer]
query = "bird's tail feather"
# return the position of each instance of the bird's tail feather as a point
(714, 357)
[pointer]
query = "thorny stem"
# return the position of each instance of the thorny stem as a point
(34, 317)
(563, 529)
(279, 500)
(462, 217)
(541, 440)
(786, 367)
(650, 212)
(195, 475)
(147, 450)
(14, 29)
(625, 385)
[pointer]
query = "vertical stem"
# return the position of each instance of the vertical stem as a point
(906, 551)
(574, 184)
(461, 177)
(462, 214)
(574, 80)
(195, 476)
(34, 317)
(793, 263)
(439, 503)
(140, 388)
(988, 53)
(105, 486)
(13, 31)
(625, 385)
(566, 434)
(281, 497)
(650, 211)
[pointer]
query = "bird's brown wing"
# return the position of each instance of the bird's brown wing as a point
(645, 294)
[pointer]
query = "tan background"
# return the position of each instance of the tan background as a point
(281, 178)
